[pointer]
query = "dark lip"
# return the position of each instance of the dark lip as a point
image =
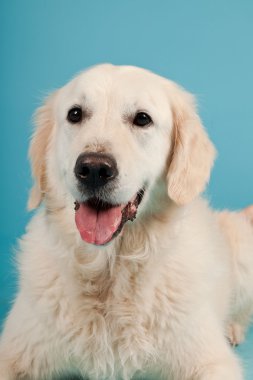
(99, 204)
(126, 212)
(129, 212)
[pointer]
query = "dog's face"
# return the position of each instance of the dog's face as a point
(108, 139)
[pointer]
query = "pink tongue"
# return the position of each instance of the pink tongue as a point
(97, 227)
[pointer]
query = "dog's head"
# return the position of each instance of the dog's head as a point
(109, 139)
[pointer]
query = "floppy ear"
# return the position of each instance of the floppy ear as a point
(192, 154)
(38, 152)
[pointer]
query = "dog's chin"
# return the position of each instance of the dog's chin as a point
(99, 222)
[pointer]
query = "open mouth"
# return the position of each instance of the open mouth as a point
(98, 222)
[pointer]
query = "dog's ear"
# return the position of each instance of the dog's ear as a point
(192, 154)
(38, 151)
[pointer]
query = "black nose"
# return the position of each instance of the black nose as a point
(95, 169)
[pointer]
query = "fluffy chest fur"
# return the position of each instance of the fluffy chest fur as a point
(113, 311)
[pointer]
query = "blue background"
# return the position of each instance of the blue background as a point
(205, 45)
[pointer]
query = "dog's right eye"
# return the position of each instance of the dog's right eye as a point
(75, 115)
(142, 119)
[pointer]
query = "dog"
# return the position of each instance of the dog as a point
(124, 270)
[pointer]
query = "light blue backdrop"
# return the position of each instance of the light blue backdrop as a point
(205, 45)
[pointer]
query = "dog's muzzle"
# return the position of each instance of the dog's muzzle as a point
(98, 219)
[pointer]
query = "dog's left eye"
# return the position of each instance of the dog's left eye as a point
(75, 115)
(142, 119)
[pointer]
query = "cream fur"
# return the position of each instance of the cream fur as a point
(159, 299)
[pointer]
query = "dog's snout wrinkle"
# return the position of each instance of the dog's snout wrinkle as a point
(94, 170)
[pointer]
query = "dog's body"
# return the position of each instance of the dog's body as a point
(159, 297)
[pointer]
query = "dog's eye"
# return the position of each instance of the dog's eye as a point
(142, 119)
(75, 115)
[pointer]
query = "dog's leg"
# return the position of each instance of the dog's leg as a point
(199, 351)
(217, 363)
(238, 230)
(237, 329)
(225, 368)
(27, 349)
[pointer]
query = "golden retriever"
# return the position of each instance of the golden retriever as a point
(125, 272)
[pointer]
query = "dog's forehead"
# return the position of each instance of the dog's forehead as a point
(106, 75)
(122, 82)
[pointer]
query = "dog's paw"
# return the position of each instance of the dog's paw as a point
(235, 334)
